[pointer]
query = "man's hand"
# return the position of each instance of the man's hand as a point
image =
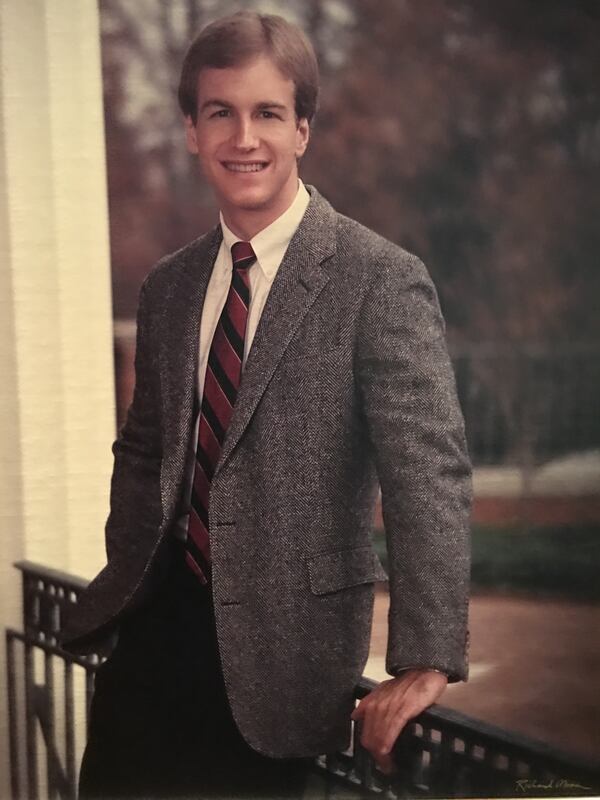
(385, 711)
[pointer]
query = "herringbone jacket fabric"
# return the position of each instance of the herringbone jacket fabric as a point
(347, 386)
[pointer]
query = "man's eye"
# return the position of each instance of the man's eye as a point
(269, 115)
(222, 112)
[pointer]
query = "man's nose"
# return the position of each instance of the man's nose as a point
(245, 137)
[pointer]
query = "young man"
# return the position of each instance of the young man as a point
(288, 362)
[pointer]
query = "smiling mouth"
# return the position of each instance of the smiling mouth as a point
(245, 166)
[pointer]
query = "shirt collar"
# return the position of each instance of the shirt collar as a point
(271, 243)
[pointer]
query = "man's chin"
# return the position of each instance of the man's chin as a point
(249, 201)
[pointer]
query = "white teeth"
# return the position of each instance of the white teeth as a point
(244, 167)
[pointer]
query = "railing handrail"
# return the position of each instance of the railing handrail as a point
(49, 573)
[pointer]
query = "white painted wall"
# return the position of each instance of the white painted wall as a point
(56, 365)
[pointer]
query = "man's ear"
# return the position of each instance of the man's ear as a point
(302, 136)
(191, 136)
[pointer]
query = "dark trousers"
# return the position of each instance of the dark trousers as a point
(160, 723)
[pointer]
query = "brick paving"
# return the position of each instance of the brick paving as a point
(535, 668)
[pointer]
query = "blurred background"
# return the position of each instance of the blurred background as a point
(469, 133)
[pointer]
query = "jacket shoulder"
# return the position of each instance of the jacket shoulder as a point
(169, 267)
(371, 254)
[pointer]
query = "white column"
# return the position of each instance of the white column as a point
(56, 363)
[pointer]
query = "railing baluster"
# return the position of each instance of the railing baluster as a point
(30, 716)
(89, 691)
(70, 729)
(50, 727)
(13, 728)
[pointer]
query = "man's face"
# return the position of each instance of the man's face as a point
(247, 138)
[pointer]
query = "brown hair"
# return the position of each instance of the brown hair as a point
(239, 38)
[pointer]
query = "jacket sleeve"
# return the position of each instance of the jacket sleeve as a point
(135, 504)
(417, 434)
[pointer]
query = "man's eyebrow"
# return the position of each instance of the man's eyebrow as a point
(262, 106)
(272, 104)
(214, 101)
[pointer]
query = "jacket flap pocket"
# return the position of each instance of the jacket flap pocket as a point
(329, 572)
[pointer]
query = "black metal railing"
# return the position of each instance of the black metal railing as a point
(441, 753)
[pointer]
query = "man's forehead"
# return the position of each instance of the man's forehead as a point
(246, 74)
(233, 87)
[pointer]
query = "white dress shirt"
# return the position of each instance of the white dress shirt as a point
(269, 246)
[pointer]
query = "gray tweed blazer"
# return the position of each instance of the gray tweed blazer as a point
(348, 387)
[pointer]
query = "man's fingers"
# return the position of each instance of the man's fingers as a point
(361, 709)
(371, 712)
(402, 711)
(383, 714)
(380, 726)
(393, 728)
(367, 728)
(380, 751)
(386, 764)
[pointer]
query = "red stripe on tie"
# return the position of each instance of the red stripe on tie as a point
(217, 399)
(227, 357)
(208, 442)
(194, 567)
(199, 534)
(201, 485)
(241, 251)
(238, 313)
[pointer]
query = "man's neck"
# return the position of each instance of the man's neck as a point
(247, 223)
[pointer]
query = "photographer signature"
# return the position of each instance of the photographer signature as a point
(526, 784)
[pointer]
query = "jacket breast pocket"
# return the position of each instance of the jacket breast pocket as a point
(340, 569)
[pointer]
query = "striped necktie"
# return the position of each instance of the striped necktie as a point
(221, 384)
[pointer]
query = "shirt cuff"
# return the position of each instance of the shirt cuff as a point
(398, 670)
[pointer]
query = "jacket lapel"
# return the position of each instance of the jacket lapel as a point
(179, 359)
(299, 281)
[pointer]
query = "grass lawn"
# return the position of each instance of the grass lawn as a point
(542, 562)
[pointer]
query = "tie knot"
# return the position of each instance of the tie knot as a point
(242, 255)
